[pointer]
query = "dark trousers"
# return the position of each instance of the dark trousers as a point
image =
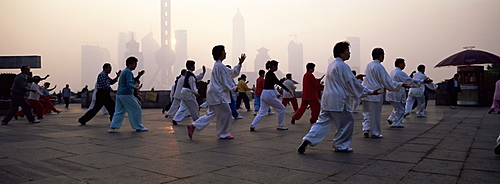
(66, 101)
(16, 101)
(242, 96)
(102, 99)
(454, 98)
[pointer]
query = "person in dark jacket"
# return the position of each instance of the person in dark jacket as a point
(453, 88)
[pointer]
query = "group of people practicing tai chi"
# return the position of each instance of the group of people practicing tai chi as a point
(333, 107)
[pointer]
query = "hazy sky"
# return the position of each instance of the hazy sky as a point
(421, 31)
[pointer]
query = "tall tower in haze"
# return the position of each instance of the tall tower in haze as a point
(149, 46)
(296, 60)
(132, 49)
(261, 59)
(165, 57)
(122, 39)
(180, 51)
(93, 57)
(355, 61)
(238, 39)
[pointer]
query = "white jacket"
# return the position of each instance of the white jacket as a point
(289, 84)
(378, 78)
(340, 83)
(399, 76)
(221, 83)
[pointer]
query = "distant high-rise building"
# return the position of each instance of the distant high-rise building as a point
(355, 61)
(165, 56)
(239, 39)
(180, 51)
(93, 57)
(132, 49)
(296, 64)
(261, 59)
(123, 38)
(149, 46)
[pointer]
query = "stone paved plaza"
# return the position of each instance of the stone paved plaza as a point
(447, 146)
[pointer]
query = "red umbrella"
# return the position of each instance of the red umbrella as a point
(469, 57)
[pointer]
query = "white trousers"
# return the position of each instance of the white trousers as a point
(189, 99)
(344, 122)
(173, 108)
(268, 99)
(371, 113)
(181, 113)
(398, 113)
(421, 104)
(223, 114)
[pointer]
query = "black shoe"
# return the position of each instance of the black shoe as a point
(166, 116)
(81, 122)
(302, 147)
(497, 148)
(163, 110)
(5, 123)
(252, 128)
(390, 121)
(174, 122)
(366, 133)
(406, 114)
(15, 117)
(293, 121)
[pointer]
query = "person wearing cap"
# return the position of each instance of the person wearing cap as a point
(17, 91)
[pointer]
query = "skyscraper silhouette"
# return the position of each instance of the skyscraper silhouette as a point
(149, 46)
(261, 59)
(296, 64)
(180, 51)
(355, 61)
(122, 39)
(93, 57)
(132, 49)
(165, 57)
(238, 39)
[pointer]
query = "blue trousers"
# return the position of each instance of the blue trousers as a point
(232, 105)
(127, 103)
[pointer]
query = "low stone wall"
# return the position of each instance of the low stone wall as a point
(154, 99)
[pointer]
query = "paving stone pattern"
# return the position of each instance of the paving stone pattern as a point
(447, 146)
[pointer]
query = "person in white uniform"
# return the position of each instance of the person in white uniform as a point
(398, 98)
(221, 83)
(175, 94)
(340, 83)
(417, 93)
(189, 91)
(376, 78)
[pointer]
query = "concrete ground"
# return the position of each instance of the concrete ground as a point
(447, 146)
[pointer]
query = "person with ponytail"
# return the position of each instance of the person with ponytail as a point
(269, 98)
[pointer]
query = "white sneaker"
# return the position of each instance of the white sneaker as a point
(111, 130)
(36, 121)
(271, 113)
(142, 129)
(281, 128)
(239, 117)
(255, 113)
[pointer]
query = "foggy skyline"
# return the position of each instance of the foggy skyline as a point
(422, 32)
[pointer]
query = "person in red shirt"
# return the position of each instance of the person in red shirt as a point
(310, 95)
(258, 91)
